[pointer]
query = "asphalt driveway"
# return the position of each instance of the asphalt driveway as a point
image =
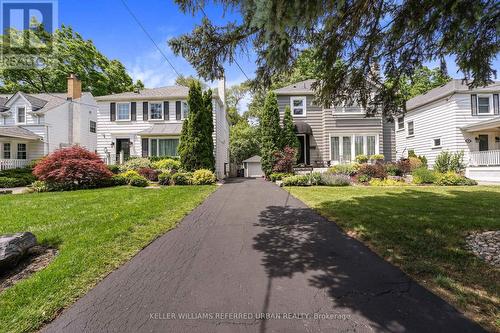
(252, 258)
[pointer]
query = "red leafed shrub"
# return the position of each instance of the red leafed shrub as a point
(376, 170)
(404, 166)
(149, 174)
(72, 168)
(284, 160)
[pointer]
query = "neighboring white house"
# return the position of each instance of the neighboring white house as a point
(253, 167)
(455, 118)
(149, 123)
(33, 125)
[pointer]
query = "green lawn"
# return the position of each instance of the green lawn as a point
(421, 230)
(95, 231)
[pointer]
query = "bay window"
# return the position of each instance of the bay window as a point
(344, 148)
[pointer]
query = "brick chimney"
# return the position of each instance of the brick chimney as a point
(74, 87)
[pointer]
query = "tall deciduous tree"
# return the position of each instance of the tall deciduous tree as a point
(196, 149)
(243, 142)
(270, 132)
(70, 54)
(289, 138)
(349, 38)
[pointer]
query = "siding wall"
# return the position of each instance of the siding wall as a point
(442, 119)
(326, 123)
(108, 131)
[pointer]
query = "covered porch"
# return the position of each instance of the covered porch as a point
(18, 146)
(483, 141)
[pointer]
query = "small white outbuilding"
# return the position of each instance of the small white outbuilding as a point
(253, 167)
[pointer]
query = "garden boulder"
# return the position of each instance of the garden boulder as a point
(14, 246)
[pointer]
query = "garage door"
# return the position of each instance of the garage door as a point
(254, 170)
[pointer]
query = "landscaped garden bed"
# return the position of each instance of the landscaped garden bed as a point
(94, 232)
(424, 231)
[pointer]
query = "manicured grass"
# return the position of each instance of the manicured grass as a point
(95, 231)
(422, 230)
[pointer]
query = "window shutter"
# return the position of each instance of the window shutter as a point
(178, 110)
(112, 111)
(145, 147)
(145, 111)
(496, 104)
(473, 103)
(133, 111)
(166, 111)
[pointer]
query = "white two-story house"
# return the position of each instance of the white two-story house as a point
(34, 125)
(454, 118)
(148, 123)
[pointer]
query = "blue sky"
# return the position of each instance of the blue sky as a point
(108, 24)
(115, 33)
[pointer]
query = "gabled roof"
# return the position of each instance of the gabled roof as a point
(18, 132)
(452, 87)
(302, 87)
(162, 92)
(41, 102)
(255, 158)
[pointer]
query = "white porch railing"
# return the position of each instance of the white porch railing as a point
(485, 158)
(12, 164)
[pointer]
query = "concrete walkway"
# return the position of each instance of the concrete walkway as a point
(252, 249)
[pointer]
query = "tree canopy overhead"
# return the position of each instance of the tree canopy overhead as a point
(70, 54)
(350, 40)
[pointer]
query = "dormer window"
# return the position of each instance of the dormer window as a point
(21, 115)
(298, 105)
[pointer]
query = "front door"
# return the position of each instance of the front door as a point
(301, 158)
(123, 145)
(483, 142)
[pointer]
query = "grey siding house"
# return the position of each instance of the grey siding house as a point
(335, 135)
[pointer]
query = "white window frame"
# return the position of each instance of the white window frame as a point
(490, 105)
(408, 128)
(353, 144)
(184, 106)
(18, 151)
(25, 114)
(150, 104)
(118, 111)
(434, 142)
(304, 106)
(157, 145)
(400, 128)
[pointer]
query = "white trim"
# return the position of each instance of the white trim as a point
(490, 104)
(400, 128)
(353, 144)
(25, 114)
(129, 111)
(304, 105)
(161, 112)
(433, 143)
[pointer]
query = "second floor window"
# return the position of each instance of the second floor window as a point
(155, 111)
(185, 110)
(401, 123)
(298, 105)
(483, 105)
(411, 129)
(93, 126)
(123, 111)
(21, 115)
